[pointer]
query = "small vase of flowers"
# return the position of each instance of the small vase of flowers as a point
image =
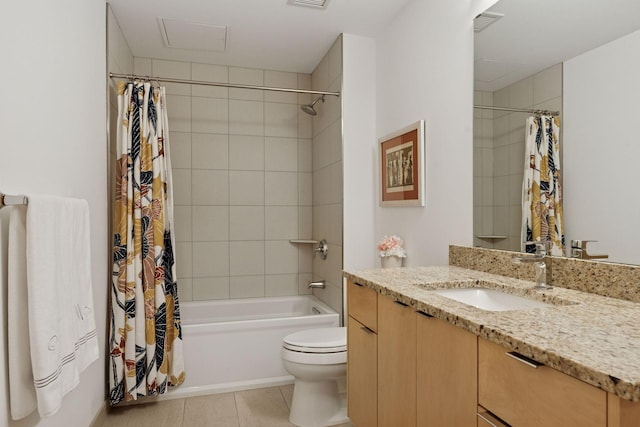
(391, 251)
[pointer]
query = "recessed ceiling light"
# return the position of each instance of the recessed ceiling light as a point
(320, 4)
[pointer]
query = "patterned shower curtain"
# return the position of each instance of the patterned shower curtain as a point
(145, 335)
(541, 188)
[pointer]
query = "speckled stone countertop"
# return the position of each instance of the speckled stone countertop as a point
(590, 337)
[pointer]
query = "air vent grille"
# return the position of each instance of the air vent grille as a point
(192, 35)
(485, 19)
(319, 4)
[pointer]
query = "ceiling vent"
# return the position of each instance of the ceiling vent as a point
(193, 36)
(485, 19)
(318, 4)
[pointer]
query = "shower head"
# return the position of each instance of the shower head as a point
(308, 108)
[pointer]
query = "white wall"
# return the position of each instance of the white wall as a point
(52, 141)
(601, 148)
(425, 71)
(359, 150)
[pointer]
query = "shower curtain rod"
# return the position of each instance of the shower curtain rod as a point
(229, 85)
(518, 110)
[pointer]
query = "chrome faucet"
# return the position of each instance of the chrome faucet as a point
(539, 260)
(579, 250)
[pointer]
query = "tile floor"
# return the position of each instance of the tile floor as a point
(265, 407)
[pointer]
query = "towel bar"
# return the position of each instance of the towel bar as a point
(6, 200)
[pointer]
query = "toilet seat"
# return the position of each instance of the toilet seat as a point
(319, 340)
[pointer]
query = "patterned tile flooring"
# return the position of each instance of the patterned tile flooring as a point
(265, 407)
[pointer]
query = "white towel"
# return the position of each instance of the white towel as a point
(22, 394)
(62, 331)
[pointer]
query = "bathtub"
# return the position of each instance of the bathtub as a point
(235, 344)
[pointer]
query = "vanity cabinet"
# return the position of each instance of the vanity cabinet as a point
(405, 369)
(362, 355)
(447, 372)
(396, 363)
(524, 393)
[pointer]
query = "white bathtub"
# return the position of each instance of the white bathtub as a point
(235, 344)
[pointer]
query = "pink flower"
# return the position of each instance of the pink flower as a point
(392, 246)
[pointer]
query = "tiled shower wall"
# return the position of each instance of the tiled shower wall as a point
(327, 176)
(242, 172)
(499, 142)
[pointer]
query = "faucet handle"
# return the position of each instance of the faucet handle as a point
(542, 246)
(581, 244)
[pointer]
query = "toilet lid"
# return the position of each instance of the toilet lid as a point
(319, 340)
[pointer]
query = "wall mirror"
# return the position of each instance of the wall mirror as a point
(581, 59)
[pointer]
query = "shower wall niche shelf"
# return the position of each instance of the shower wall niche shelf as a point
(310, 242)
(491, 237)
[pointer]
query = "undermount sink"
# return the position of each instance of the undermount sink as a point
(490, 299)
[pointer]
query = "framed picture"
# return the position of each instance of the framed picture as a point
(402, 164)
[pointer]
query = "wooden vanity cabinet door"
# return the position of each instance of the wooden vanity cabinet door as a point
(396, 364)
(362, 374)
(362, 305)
(532, 397)
(447, 370)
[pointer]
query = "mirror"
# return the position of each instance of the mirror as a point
(580, 59)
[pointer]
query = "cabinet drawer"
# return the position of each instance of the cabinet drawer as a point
(486, 419)
(525, 396)
(363, 305)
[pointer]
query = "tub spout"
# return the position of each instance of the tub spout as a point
(319, 284)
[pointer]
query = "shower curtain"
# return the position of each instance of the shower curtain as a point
(145, 336)
(541, 188)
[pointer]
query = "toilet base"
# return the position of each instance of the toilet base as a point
(319, 403)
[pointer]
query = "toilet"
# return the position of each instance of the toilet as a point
(317, 358)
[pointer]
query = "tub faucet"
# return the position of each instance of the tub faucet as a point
(318, 284)
(539, 260)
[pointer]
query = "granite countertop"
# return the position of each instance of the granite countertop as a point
(590, 337)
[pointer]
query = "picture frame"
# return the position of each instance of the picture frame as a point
(402, 166)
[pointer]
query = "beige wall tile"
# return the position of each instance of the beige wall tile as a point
(181, 186)
(247, 286)
(281, 222)
(210, 288)
(284, 80)
(246, 76)
(210, 259)
(210, 151)
(281, 154)
(180, 148)
(246, 188)
(247, 258)
(246, 152)
(247, 223)
(280, 120)
(210, 187)
(281, 285)
(210, 73)
(210, 115)
(210, 223)
(281, 188)
(281, 257)
(246, 117)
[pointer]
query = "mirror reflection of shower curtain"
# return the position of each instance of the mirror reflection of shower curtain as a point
(145, 339)
(542, 217)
